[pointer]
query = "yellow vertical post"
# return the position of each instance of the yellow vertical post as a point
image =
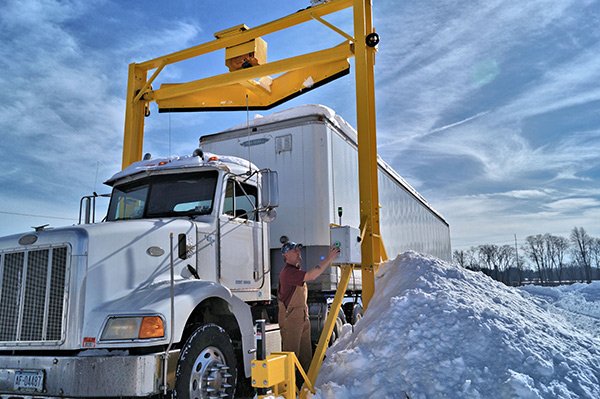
(134, 116)
(367, 147)
(317, 360)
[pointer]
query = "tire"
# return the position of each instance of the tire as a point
(357, 313)
(337, 327)
(207, 365)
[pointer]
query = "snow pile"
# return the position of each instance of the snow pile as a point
(580, 303)
(434, 330)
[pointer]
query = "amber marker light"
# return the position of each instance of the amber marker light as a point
(152, 327)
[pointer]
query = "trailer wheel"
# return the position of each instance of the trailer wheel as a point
(207, 365)
(357, 313)
(337, 327)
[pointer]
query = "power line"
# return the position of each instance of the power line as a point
(36, 216)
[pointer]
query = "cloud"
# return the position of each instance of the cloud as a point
(63, 97)
(436, 56)
(464, 90)
(527, 194)
(477, 220)
(455, 124)
(573, 204)
(488, 107)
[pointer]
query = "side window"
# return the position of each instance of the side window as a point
(128, 205)
(240, 200)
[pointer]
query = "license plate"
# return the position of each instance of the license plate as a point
(30, 380)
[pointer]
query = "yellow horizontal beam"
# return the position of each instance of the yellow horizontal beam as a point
(252, 33)
(252, 95)
(340, 52)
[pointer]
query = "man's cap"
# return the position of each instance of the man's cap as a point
(288, 245)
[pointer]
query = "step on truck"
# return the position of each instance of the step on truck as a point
(161, 296)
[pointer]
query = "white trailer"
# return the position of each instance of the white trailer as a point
(315, 154)
(162, 296)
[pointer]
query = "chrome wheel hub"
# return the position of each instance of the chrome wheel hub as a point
(210, 377)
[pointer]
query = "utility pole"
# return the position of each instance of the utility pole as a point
(519, 269)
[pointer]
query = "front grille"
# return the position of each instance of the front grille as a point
(33, 295)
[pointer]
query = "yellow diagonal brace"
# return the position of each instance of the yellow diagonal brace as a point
(334, 28)
(148, 83)
(317, 360)
(384, 255)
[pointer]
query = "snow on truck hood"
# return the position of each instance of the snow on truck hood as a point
(434, 330)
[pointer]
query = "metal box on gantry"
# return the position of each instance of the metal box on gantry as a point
(347, 239)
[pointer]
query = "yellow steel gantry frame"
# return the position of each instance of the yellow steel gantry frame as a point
(239, 89)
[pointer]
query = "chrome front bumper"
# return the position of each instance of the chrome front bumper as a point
(89, 376)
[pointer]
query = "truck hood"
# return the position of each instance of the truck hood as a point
(78, 236)
(110, 261)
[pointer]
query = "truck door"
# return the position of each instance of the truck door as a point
(241, 239)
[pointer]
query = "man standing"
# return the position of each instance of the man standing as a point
(292, 294)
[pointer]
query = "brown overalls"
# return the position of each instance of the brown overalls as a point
(295, 326)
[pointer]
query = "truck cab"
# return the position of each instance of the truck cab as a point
(219, 198)
(157, 298)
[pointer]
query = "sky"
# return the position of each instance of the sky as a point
(490, 109)
(435, 330)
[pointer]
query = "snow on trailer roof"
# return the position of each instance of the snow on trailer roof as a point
(337, 121)
(300, 111)
(234, 164)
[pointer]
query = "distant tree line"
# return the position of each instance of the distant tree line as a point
(544, 259)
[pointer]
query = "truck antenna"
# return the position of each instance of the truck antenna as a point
(96, 178)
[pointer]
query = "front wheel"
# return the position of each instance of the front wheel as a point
(207, 365)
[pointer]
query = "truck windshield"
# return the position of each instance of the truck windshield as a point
(186, 194)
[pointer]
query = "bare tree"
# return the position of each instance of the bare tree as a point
(466, 259)
(471, 259)
(595, 253)
(553, 258)
(582, 251)
(505, 259)
(488, 256)
(460, 258)
(535, 249)
(556, 248)
(498, 259)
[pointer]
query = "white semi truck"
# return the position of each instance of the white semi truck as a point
(162, 295)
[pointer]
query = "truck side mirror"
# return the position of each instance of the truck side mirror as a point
(269, 189)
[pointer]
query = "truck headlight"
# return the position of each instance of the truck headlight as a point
(128, 328)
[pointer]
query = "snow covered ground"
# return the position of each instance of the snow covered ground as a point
(434, 330)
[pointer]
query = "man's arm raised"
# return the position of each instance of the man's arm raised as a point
(325, 263)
